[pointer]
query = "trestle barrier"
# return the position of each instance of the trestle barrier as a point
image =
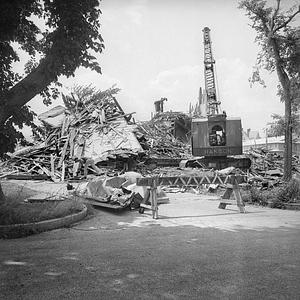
(230, 181)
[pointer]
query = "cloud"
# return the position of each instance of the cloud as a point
(168, 79)
(180, 85)
(86, 77)
(136, 10)
(135, 15)
(254, 105)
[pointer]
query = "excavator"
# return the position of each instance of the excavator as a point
(216, 139)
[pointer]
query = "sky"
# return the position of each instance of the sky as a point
(154, 49)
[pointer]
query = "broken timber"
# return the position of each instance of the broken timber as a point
(231, 181)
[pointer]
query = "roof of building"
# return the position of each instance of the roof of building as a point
(270, 140)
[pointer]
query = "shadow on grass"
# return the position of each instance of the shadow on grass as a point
(212, 215)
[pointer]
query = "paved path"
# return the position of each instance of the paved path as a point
(194, 251)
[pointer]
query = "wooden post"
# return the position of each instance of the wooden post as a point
(154, 205)
(238, 197)
(233, 188)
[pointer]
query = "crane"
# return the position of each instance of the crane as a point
(216, 139)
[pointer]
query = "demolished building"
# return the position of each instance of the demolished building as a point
(87, 134)
(95, 136)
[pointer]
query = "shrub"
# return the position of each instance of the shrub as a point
(258, 196)
(289, 192)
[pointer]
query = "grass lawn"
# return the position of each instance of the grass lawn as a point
(16, 211)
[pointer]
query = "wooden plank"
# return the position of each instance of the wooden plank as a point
(154, 201)
(8, 174)
(147, 181)
(63, 127)
(52, 165)
(118, 105)
(63, 171)
(106, 205)
(71, 141)
(45, 170)
(101, 202)
(28, 177)
(79, 154)
(63, 152)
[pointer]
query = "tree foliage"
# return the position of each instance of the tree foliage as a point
(277, 126)
(58, 36)
(279, 42)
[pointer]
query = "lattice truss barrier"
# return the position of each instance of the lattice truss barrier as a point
(231, 181)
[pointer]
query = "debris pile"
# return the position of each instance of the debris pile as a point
(92, 134)
(117, 192)
(87, 131)
(266, 162)
(170, 116)
(267, 168)
(158, 137)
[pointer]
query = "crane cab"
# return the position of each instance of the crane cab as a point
(216, 135)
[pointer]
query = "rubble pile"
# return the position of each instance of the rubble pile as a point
(169, 116)
(92, 134)
(117, 192)
(157, 137)
(267, 168)
(264, 162)
(158, 142)
(77, 137)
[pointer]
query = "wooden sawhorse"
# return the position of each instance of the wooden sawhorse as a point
(230, 181)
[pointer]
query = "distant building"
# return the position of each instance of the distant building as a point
(275, 144)
(250, 135)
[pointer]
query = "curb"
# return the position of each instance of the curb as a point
(22, 230)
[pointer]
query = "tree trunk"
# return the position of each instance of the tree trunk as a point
(26, 89)
(2, 197)
(288, 141)
(285, 83)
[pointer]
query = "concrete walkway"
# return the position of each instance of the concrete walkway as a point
(187, 209)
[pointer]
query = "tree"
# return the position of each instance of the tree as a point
(279, 43)
(59, 36)
(68, 40)
(277, 127)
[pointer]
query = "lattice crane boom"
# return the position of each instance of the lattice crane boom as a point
(209, 75)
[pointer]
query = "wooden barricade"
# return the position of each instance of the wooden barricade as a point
(230, 181)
